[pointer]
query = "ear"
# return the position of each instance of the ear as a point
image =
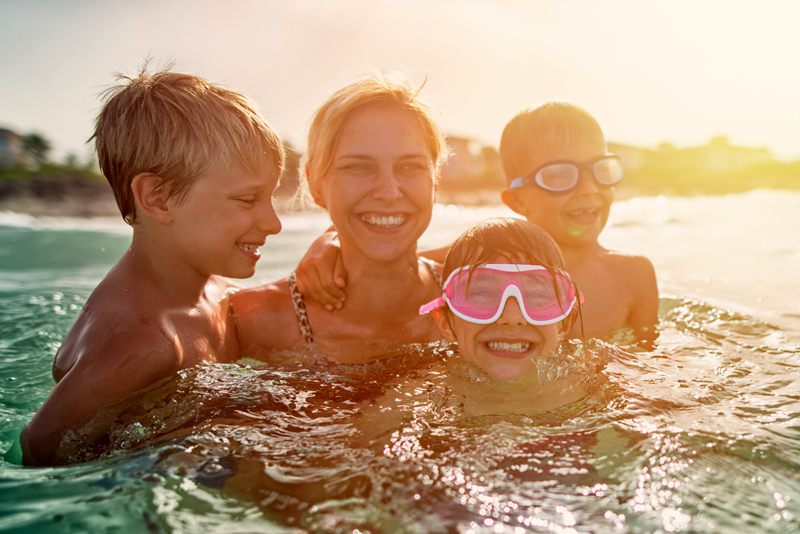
(151, 197)
(511, 199)
(316, 190)
(442, 319)
(436, 180)
(566, 324)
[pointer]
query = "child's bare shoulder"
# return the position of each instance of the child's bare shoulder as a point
(117, 328)
(632, 266)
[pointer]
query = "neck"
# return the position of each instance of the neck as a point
(161, 267)
(578, 254)
(385, 287)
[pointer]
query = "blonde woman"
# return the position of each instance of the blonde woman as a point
(373, 159)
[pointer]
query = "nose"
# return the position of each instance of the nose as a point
(388, 187)
(512, 313)
(586, 183)
(268, 221)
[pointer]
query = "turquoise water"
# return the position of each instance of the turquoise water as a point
(699, 435)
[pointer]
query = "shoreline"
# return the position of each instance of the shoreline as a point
(75, 197)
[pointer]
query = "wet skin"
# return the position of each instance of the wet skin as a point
(163, 307)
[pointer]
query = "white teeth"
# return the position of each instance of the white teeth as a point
(247, 247)
(384, 222)
(509, 347)
(583, 212)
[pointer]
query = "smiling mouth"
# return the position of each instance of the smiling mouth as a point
(502, 346)
(247, 247)
(386, 221)
(585, 213)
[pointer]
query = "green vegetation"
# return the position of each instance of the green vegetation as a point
(668, 180)
(51, 171)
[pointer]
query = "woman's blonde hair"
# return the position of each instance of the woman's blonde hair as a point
(373, 88)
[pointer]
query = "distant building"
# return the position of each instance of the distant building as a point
(466, 158)
(472, 166)
(12, 151)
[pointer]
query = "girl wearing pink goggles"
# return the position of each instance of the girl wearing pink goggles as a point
(479, 294)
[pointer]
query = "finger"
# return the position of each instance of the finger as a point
(339, 272)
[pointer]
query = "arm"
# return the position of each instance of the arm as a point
(103, 375)
(643, 317)
(320, 274)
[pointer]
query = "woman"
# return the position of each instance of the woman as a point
(373, 162)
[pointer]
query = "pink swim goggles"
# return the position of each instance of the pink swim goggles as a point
(480, 296)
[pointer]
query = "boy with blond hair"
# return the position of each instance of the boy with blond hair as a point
(193, 167)
(561, 178)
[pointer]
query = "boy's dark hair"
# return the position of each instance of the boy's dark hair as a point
(508, 238)
(538, 129)
(179, 127)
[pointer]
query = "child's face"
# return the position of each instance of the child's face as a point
(380, 188)
(225, 217)
(573, 218)
(506, 349)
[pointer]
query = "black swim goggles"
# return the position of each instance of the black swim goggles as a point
(563, 176)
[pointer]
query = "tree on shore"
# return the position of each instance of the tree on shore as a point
(37, 147)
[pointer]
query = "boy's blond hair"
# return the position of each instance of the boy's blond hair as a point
(374, 88)
(179, 127)
(541, 128)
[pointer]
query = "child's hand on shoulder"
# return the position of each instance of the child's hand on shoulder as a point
(320, 275)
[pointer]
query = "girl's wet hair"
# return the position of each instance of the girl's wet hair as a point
(511, 239)
(504, 237)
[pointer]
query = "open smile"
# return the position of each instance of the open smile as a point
(250, 249)
(384, 221)
(511, 350)
(585, 216)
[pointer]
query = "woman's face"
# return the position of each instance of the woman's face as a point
(381, 186)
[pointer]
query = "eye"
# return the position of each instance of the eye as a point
(247, 201)
(356, 168)
(411, 169)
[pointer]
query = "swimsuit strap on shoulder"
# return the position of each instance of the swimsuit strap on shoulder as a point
(300, 311)
(431, 265)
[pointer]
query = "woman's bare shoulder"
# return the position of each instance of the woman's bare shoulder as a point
(265, 316)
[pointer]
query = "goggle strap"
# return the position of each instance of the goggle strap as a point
(432, 305)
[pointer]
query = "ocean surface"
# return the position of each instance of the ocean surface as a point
(701, 434)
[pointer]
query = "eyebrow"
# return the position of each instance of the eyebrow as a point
(368, 157)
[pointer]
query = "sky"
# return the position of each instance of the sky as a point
(681, 72)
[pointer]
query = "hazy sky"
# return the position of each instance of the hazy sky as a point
(680, 71)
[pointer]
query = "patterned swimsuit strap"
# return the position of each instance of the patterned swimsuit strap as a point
(300, 304)
(300, 311)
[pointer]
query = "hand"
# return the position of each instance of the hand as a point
(320, 274)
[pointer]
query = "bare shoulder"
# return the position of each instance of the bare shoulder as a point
(265, 317)
(640, 278)
(636, 269)
(123, 330)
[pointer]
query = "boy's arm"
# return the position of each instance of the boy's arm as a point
(320, 275)
(643, 316)
(102, 376)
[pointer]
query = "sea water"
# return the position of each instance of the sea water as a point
(700, 434)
